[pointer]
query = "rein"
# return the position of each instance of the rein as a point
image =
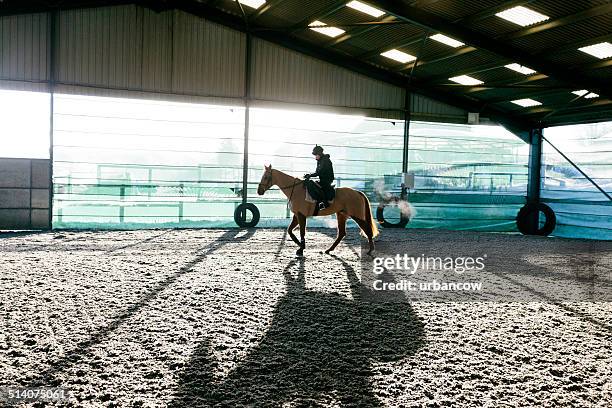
(295, 183)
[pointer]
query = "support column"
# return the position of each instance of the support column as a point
(534, 175)
(405, 152)
(52, 79)
(247, 98)
(535, 166)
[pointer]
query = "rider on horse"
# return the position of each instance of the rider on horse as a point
(325, 172)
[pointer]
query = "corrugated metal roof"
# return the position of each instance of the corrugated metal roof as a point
(450, 67)
(560, 36)
(294, 11)
(347, 15)
(454, 10)
(385, 35)
(556, 8)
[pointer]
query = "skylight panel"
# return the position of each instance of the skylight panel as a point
(466, 80)
(522, 16)
(398, 55)
(323, 28)
(447, 40)
(365, 8)
(253, 3)
(527, 102)
(520, 68)
(602, 50)
(583, 92)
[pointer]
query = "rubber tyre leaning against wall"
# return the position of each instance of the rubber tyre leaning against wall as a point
(524, 214)
(240, 215)
(380, 215)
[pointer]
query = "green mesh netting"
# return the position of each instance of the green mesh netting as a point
(136, 164)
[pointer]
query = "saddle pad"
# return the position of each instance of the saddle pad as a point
(308, 197)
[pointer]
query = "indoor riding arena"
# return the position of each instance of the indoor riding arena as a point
(293, 204)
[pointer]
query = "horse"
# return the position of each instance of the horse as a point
(348, 203)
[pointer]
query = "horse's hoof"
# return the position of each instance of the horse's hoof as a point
(328, 251)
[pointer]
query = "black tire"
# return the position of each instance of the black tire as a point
(524, 217)
(240, 215)
(380, 215)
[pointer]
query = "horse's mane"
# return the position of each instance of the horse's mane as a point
(289, 175)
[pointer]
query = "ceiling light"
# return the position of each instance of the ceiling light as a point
(365, 8)
(322, 28)
(398, 55)
(466, 80)
(253, 3)
(447, 40)
(519, 68)
(602, 50)
(522, 16)
(525, 103)
(582, 92)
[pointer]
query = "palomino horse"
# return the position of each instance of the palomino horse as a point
(348, 203)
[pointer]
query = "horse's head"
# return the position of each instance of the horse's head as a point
(266, 180)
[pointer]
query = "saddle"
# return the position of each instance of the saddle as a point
(319, 194)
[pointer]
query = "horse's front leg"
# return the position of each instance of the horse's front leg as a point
(302, 221)
(291, 227)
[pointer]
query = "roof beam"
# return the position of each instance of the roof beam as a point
(490, 12)
(530, 92)
(559, 22)
(573, 46)
(358, 31)
(373, 53)
(320, 14)
(456, 53)
(591, 115)
(493, 85)
(270, 4)
(477, 40)
(566, 107)
(443, 77)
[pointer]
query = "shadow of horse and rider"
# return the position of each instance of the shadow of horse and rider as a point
(319, 349)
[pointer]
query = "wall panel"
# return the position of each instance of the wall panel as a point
(208, 58)
(280, 74)
(424, 108)
(23, 47)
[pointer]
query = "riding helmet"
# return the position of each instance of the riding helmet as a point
(317, 150)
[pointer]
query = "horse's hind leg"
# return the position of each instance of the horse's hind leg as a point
(341, 231)
(367, 230)
(302, 221)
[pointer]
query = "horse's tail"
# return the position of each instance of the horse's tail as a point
(368, 216)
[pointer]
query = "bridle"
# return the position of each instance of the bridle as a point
(268, 178)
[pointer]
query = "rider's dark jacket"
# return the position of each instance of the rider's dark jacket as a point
(325, 171)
